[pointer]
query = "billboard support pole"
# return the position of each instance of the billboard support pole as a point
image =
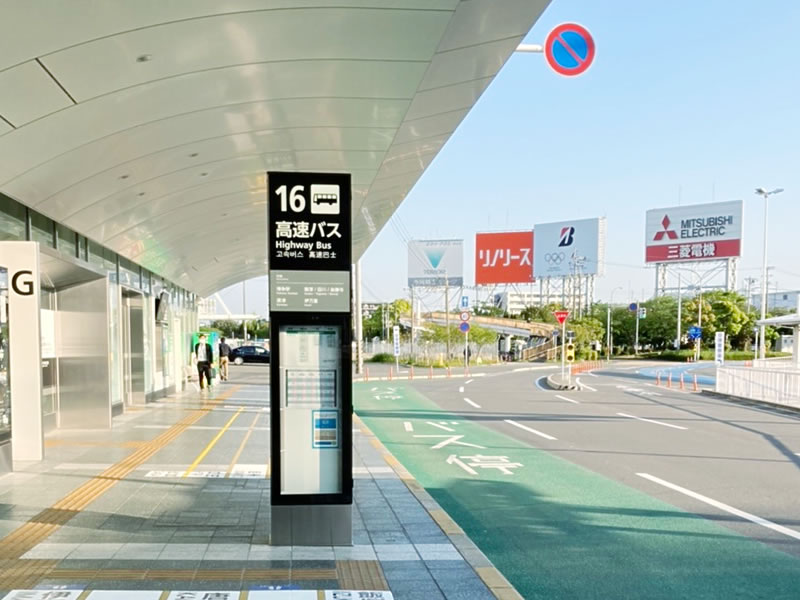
(563, 348)
(680, 302)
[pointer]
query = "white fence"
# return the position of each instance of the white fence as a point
(779, 386)
(775, 363)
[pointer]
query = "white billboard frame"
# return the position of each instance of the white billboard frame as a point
(557, 245)
(435, 263)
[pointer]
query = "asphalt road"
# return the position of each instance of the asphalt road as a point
(629, 484)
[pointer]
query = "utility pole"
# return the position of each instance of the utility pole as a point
(680, 302)
(359, 321)
(244, 309)
(412, 324)
(447, 311)
(636, 338)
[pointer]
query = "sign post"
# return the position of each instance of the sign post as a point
(569, 49)
(561, 317)
(465, 328)
(719, 348)
(396, 344)
(309, 254)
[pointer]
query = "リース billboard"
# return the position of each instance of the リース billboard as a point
(431, 262)
(569, 248)
(504, 257)
(694, 232)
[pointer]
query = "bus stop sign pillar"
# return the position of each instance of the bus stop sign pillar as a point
(309, 253)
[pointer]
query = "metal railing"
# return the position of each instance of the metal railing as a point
(784, 362)
(779, 386)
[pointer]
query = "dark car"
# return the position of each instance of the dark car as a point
(249, 354)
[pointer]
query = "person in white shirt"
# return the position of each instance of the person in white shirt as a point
(203, 352)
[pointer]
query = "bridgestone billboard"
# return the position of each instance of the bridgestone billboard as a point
(694, 233)
(569, 248)
(434, 262)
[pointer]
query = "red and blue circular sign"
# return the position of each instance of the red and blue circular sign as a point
(464, 327)
(569, 49)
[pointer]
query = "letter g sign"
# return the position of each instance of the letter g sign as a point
(23, 287)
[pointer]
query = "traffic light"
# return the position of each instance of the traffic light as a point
(570, 352)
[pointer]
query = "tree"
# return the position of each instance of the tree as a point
(659, 328)
(539, 314)
(488, 310)
(227, 328)
(481, 336)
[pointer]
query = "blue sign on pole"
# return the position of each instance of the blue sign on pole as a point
(464, 327)
(633, 307)
(464, 302)
(695, 332)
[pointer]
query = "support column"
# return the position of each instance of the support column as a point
(359, 321)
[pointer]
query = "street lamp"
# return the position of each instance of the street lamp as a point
(765, 194)
(608, 325)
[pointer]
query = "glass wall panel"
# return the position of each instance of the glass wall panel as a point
(41, 229)
(115, 339)
(66, 241)
(96, 252)
(12, 219)
(5, 375)
(49, 358)
(129, 273)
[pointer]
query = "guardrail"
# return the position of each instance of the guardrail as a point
(784, 362)
(779, 386)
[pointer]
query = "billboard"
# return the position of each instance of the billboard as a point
(694, 232)
(504, 257)
(432, 262)
(569, 248)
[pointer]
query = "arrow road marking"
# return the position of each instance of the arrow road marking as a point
(441, 426)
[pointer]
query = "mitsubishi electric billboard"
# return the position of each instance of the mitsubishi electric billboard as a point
(694, 232)
(569, 248)
(434, 262)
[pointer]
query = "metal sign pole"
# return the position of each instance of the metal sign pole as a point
(563, 347)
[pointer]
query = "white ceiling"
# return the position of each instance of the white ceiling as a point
(149, 126)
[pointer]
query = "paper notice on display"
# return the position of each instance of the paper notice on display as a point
(310, 362)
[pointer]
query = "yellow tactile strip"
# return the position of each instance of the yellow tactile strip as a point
(361, 575)
(55, 443)
(500, 587)
(44, 524)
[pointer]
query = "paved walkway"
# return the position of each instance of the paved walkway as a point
(176, 499)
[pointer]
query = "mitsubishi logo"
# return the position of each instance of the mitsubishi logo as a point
(667, 231)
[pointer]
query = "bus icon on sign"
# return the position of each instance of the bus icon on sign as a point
(324, 199)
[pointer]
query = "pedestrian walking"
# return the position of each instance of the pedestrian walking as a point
(224, 353)
(204, 355)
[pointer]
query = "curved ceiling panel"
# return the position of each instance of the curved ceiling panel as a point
(150, 126)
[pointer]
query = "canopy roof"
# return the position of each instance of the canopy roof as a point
(149, 126)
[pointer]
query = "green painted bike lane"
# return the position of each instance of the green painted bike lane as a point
(559, 531)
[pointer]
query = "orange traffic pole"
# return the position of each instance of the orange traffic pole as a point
(430, 372)
(658, 378)
(448, 371)
(366, 373)
(682, 385)
(669, 380)
(695, 382)
(411, 372)
(390, 373)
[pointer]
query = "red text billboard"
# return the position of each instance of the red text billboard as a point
(505, 257)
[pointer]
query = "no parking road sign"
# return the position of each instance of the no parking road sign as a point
(569, 49)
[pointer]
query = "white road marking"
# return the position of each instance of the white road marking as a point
(461, 389)
(651, 421)
(734, 511)
(408, 426)
(583, 385)
(539, 433)
(471, 403)
(468, 381)
(590, 374)
(453, 460)
(441, 426)
(567, 399)
(539, 385)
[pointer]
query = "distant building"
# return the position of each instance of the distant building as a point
(787, 300)
(514, 303)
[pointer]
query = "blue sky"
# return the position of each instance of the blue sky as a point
(687, 102)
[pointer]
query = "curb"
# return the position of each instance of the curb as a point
(794, 410)
(560, 386)
(498, 585)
